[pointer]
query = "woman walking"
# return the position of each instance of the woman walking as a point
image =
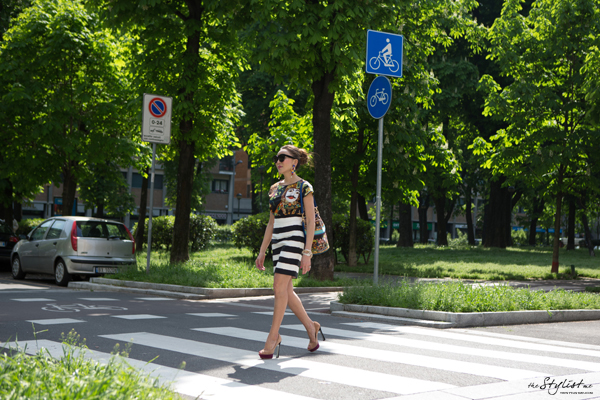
(291, 247)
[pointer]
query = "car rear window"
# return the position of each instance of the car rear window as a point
(95, 229)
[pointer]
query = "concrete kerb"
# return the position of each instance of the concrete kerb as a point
(187, 292)
(464, 320)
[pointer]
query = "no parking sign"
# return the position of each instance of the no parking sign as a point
(156, 119)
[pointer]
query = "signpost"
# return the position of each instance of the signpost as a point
(384, 57)
(156, 128)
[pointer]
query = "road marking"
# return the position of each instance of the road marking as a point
(299, 367)
(153, 298)
(475, 339)
(55, 321)
(33, 299)
(270, 313)
(397, 357)
(212, 315)
(97, 298)
(184, 382)
(138, 316)
(449, 348)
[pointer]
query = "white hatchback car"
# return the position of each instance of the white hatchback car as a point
(74, 246)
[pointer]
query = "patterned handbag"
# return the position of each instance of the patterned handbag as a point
(320, 243)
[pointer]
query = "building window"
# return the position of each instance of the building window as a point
(220, 186)
(226, 163)
(136, 181)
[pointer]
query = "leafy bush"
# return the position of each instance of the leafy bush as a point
(249, 232)
(202, 231)
(519, 238)
(461, 240)
(27, 225)
(224, 234)
(340, 239)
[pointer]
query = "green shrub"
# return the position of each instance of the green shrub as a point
(519, 238)
(202, 231)
(249, 232)
(27, 225)
(224, 234)
(461, 240)
(340, 237)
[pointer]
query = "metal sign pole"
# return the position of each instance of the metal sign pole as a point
(151, 209)
(378, 201)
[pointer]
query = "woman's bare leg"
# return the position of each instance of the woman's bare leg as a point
(296, 306)
(280, 284)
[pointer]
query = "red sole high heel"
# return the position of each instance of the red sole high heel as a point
(317, 338)
(270, 356)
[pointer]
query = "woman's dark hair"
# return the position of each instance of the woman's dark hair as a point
(301, 155)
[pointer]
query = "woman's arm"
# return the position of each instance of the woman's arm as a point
(309, 212)
(260, 260)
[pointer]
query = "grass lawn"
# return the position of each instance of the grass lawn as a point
(221, 266)
(461, 297)
(515, 263)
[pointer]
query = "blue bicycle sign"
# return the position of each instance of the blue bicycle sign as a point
(379, 99)
(384, 53)
(379, 95)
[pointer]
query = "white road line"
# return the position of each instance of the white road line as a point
(153, 298)
(397, 357)
(97, 299)
(270, 313)
(449, 348)
(482, 340)
(33, 299)
(184, 382)
(138, 316)
(211, 315)
(55, 321)
(529, 339)
(310, 369)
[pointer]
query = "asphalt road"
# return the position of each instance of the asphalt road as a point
(219, 341)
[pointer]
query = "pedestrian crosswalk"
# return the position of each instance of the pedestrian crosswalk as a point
(358, 359)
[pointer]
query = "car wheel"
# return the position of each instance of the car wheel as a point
(61, 275)
(17, 271)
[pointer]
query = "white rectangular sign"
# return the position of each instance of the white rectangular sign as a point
(156, 119)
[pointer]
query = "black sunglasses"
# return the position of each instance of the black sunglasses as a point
(282, 157)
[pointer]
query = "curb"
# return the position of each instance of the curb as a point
(183, 292)
(463, 320)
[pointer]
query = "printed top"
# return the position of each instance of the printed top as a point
(284, 200)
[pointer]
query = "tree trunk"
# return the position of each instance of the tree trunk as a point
(440, 209)
(323, 264)
(405, 228)
(469, 217)
(352, 255)
(571, 226)
(18, 210)
(423, 207)
(588, 234)
(69, 189)
(538, 207)
(100, 211)
(559, 196)
(497, 213)
(362, 208)
(185, 182)
(141, 225)
(6, 210)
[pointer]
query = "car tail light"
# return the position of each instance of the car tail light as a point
(74, 236)
(132, 239)
(13, 239)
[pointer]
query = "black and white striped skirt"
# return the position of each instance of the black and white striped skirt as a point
(287, 244)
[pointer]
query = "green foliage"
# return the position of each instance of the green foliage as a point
(224, 234)
(103, 185)
(340, 237)
(519, 237)
(74, 376)
(202, 231)
(249, 232)
(463, 297)
(461, 240)
(27, 225)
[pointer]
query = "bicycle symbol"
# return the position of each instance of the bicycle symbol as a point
(379, 95)
(78, 307)
(375, 63)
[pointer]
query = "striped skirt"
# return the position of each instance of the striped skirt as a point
(287, 244)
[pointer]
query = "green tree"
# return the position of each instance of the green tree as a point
(545, 108)
(187, 50)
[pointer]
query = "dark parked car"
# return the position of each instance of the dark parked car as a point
(74, 246)
(8, 239)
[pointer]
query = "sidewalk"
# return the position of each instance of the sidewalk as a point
(324, 298)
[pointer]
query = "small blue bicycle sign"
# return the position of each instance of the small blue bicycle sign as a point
(379, 97)
(384, 53)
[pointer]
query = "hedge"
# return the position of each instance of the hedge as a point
(249, 232)
(202, 231)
